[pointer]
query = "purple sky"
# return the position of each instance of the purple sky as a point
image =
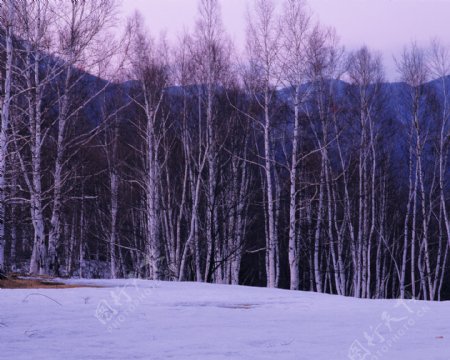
(383, 25)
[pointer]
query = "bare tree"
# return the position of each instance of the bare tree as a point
(151, 72)
(366, 73)
(79, 30)
(323, 67)
(295, 27)
(263, 46)
(33, 24)
(6, 74)
(211, 54)
(414, 72)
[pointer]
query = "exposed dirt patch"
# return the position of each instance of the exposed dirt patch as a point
(239, 306)
(220, 305)
(40, 282)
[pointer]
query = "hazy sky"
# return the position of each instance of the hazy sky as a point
(383, 25)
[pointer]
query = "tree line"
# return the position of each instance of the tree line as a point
(296, 165)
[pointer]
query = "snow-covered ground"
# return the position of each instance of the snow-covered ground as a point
(137, 319)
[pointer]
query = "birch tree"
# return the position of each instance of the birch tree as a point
(440, 68)
(263, 46)
(414, 72)
(295, 27)
(151, 72)
(366, 75)
(6, 77)
(33, 22)
(323, 65)
(211, 54)
(79, 30)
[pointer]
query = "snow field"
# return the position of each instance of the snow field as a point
(139, 319)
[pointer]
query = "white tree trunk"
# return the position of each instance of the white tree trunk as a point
(5, 101)
(272, 240)
(317, 262)
(114, 182)
(39, 253)
(293, 241)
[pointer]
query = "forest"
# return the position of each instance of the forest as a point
(293, 164)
